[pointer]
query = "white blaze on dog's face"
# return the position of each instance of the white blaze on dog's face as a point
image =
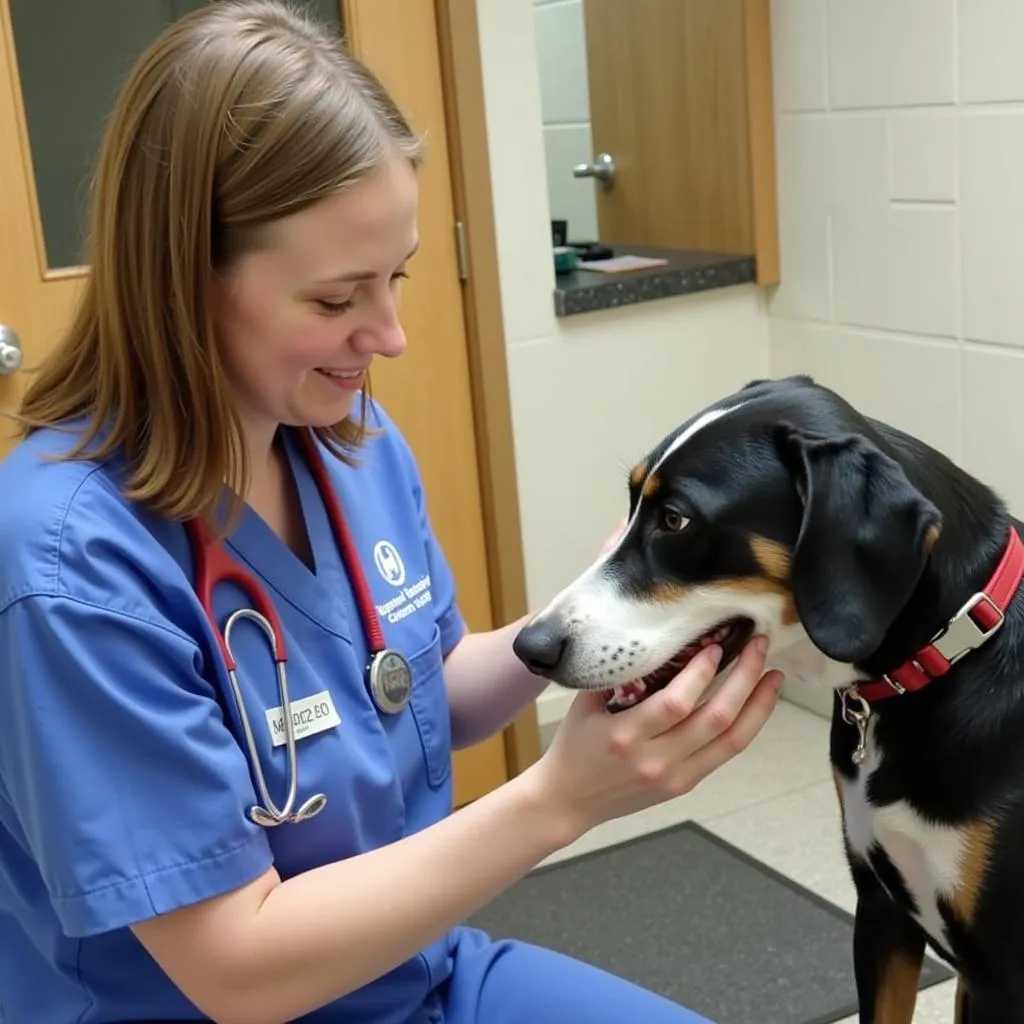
(717, 512)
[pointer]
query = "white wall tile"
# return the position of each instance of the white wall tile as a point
(562, 61)
(894, 267)
(993, 382)
(992, 212)
(990, 59)
(911, 383)
(923, 155)
(799, 54)
(860, 161)
(885, 53)
(805, 188)
(571, 199)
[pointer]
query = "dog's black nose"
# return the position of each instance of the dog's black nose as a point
(541, 647)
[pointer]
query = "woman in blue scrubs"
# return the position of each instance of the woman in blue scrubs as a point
(253, 213)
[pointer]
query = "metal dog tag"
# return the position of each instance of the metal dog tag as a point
(859, 717)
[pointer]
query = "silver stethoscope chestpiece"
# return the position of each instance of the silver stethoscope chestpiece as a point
(390, 681)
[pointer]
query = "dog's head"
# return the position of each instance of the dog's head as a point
(772, 511)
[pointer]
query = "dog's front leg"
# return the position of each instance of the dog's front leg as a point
(888, 952)
(962, 1014)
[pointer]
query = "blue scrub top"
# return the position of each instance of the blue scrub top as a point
(124, 783)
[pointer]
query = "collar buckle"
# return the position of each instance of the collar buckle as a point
(897, 687)
(977, 621)
(962, 634)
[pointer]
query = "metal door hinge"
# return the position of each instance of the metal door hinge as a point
(460, 250)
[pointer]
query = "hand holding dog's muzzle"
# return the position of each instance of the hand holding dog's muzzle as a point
(603, 766)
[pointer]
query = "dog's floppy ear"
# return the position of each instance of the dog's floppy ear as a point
(863, 543)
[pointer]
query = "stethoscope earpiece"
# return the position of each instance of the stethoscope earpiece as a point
(268, 819)
(313, 806)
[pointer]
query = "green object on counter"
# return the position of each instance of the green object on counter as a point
(566, 258)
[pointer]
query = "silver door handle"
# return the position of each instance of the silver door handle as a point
(603, 168)
(10, 351)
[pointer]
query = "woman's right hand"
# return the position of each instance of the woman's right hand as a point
(602, 766)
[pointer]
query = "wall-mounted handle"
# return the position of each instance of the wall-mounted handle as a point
(10, 351)
(603, 168)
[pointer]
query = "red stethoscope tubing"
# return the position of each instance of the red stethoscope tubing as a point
(213, 565)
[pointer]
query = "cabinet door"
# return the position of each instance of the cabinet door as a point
(680, 96)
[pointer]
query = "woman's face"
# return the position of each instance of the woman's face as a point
(302, 318)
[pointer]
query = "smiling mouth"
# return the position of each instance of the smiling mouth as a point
(731, 635)
(340, 374)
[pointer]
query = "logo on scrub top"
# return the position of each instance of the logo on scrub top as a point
(389, 562)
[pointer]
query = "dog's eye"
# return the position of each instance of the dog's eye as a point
(672, 519)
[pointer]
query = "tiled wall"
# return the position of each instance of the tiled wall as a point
(900, 134)
(565, 112)
(900, 140)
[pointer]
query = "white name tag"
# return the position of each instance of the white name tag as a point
(309, 716)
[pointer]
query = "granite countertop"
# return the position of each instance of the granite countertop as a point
(584, 291)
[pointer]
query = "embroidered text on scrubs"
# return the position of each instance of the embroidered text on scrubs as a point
(416, 595)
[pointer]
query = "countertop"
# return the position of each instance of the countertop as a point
(585, 291)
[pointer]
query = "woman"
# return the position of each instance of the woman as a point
(254, 211)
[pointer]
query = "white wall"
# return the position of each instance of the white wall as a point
(900, 133)
(565, 113)
(590, 393)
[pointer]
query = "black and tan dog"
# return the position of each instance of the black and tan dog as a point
(884, 572)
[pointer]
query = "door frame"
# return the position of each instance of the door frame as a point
(458, 43)
(462, 78)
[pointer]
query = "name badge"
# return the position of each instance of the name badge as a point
(309, 716)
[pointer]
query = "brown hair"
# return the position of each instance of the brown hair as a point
(241, 112)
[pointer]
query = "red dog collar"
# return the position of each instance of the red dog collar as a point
(976, 621)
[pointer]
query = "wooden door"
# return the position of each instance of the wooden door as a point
(680, 97)
(60, 61)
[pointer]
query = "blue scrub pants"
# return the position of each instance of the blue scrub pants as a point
(510, 982)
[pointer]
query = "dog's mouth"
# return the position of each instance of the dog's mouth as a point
(731, 635)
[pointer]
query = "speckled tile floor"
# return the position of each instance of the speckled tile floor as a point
(777, 803)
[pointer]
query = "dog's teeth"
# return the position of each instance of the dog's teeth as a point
(716, 637)
(626, 694)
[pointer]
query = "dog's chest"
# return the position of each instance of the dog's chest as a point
(929, 858)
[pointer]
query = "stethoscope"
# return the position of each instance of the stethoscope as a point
(389, 675)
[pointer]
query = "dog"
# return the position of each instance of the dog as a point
(881, 570)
